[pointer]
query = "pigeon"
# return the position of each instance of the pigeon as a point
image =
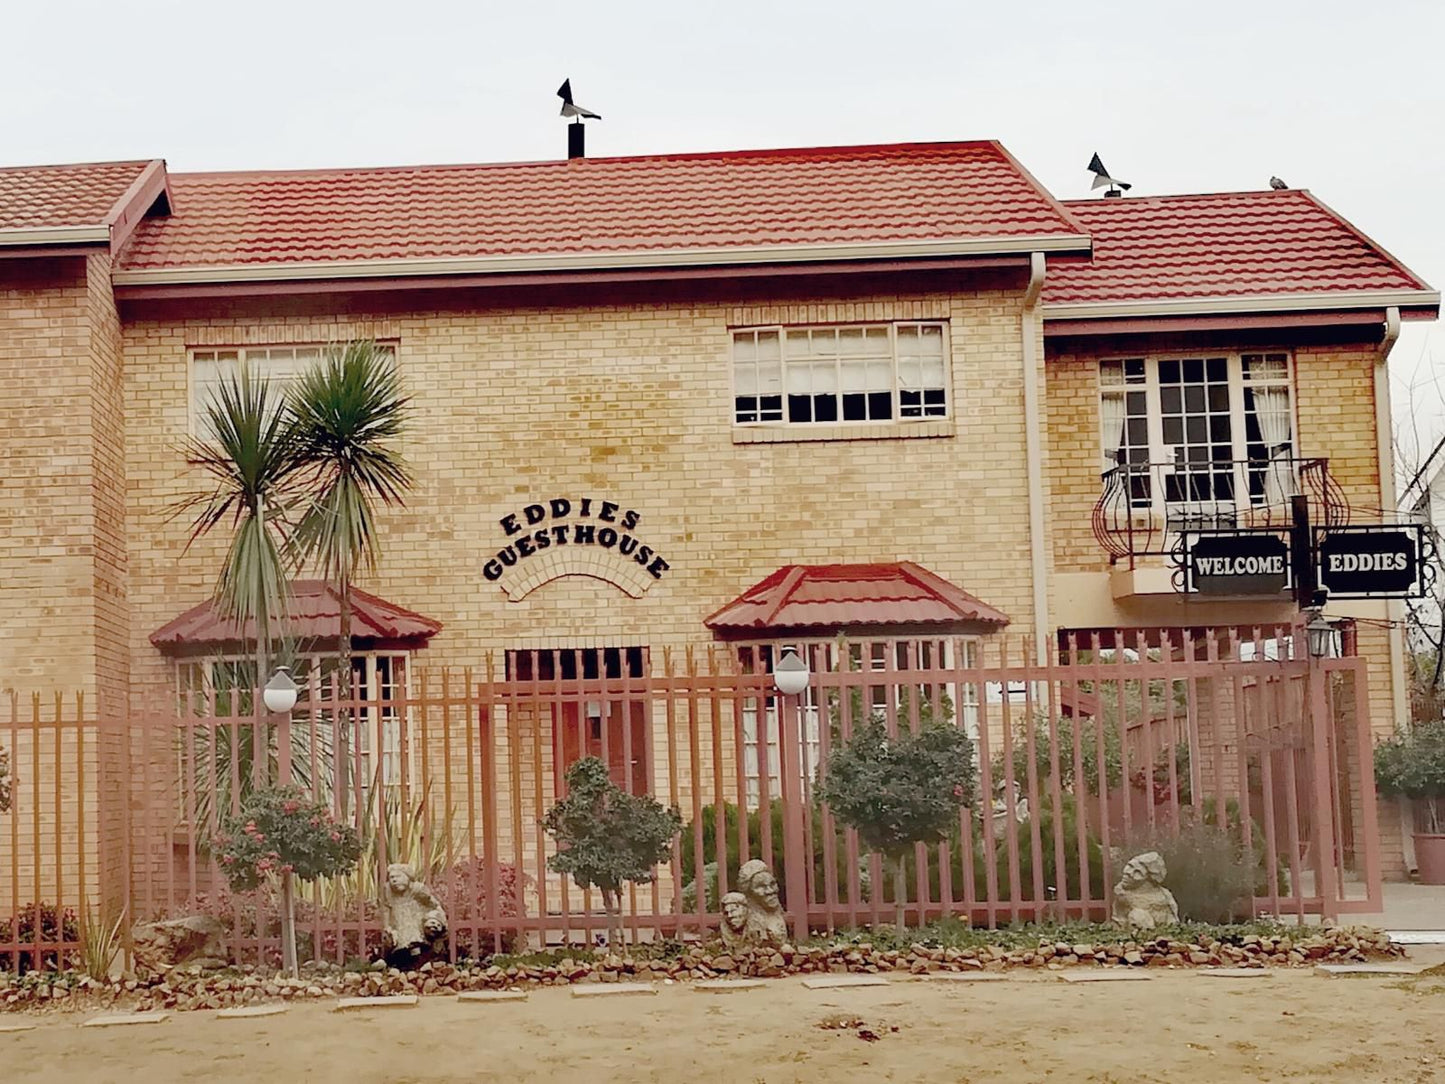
(1277, 184)
(1101, 176)
(571, 108)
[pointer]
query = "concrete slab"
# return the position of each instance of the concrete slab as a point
(125, 1019)
(839, 982)
(1236, 972)
(1105, 974)
(615, 989)
(1418, 937)
(966, 976)
(728, 986)
(1370, 969)
(6, 1029)
(487, 996)
(246, 1012)
(393, 1001)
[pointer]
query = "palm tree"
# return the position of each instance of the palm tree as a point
(349, 413)
(249, 452)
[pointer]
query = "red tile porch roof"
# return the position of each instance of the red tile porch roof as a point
(845, 596)
(1229, 245)
(957, 196)
(85, 203)
(315, 614)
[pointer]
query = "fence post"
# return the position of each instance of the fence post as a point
(1323, 785)
(796, 860)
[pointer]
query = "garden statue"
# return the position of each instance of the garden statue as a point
(1141, 901)
(734, 928)
(766, 924)
(412, 917)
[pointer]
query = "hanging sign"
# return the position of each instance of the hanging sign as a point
(1377, 561)
(1239, 562)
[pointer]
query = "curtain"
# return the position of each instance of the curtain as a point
(1271, 409)
(1113, 423)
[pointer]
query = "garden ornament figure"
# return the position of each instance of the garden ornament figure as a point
(413, 918)
(1141, 901)
(734, 928)
(766, 923)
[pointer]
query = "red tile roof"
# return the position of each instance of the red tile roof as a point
(844, 596)
(1236, 244)
(932, 192)
(49, 197)
(315, 614)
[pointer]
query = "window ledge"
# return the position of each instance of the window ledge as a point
(789, 434)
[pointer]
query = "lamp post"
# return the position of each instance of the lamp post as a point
(279, 696)
(1319, 640)
(790, 678)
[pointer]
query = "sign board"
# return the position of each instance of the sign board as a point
(1240, 562)
(1378, 561)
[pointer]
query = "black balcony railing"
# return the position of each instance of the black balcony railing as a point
(1145, 506)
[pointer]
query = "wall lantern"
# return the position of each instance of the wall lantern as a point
(1321, 634)
(280, 691)
(790, 672)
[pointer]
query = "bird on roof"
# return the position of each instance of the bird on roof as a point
(571, 108)
(1277, 184)
(1102, 178)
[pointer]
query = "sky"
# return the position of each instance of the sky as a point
(1343, 98)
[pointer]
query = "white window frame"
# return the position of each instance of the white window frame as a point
(275, 362)
(938, 414)
(1161, 453)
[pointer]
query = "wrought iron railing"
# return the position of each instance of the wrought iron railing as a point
(1145, 506)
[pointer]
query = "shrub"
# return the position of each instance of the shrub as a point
(39, 921)
(607, 837)
(463, 892)
(4, 780)
(1068, 776)
(1412, 765)
(900, 790)
(1212, 880)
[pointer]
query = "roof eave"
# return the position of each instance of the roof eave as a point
(730, 256)
(1417, 300)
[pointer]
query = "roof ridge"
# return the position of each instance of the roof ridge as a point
(1172, 197)
(573, 163)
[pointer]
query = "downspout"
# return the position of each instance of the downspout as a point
(1031, 329)
(1394, 608)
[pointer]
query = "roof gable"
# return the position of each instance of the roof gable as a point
(78, 204)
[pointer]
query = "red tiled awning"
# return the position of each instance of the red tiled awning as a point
(846, 596)
(314, 614)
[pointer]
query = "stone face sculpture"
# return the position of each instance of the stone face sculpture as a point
(194, 941)
(1141, 901)
(413, 918)
(735, 913)
(766, 925)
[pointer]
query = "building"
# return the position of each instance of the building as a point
(680, 399)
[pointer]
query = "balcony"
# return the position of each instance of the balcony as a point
(1144, 507)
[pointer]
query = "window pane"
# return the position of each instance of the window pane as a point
(745, 379)
(768, 346)
(825, 408)
(1111, 373)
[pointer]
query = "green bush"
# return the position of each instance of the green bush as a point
(1068, 777)
(1412, 765)
(1203, 868)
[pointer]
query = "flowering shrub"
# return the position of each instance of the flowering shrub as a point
(282, 830)
(53, 927)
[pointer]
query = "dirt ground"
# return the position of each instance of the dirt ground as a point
(1178, 1026)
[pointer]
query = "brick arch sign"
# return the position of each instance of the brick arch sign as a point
(573, 536)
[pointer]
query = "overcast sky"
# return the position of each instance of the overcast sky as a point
(1342, 97)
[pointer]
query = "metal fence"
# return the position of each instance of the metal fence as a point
(1102, 748)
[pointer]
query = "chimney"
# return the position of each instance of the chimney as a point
(576, 140)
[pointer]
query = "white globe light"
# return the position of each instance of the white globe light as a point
(280, 691)
(790, 673)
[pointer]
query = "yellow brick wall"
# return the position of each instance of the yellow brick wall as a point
(512, 406)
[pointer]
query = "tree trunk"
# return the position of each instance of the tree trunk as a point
(288, 926)
(344, 687)
(259, 762)
(609, 904)
(900, 891)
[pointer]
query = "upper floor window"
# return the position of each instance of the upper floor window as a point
(280, 365)
(840, 374)
(1199, 429)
